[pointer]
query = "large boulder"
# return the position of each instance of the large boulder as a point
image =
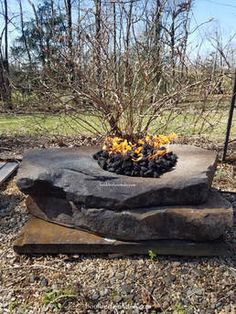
(74, 175)
(203, 222)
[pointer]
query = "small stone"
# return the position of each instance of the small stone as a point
(165, 304)
(213, 306)
(199, 291)
(195, 291)
(126, 288)
(54, 287)
(227, 308)
(33, 278)
(95, 296)
(219, 304)
(185, 271)
(129, 298)
(196, 272)
(117, 299)
(120, 276)
(44, 282)
(112, 281)
(169, 278)
(176, 264)
(104, 292)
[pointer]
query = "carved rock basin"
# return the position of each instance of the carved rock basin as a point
(67, 187)
(74, 175)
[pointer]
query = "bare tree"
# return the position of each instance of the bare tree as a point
(40, 34)
(68, 6)
(98, 44)
(23, 33)
(131, 66)
(4, 64)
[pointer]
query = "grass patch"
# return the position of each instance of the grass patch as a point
(57, 298)
(49, 124)
(211, 124)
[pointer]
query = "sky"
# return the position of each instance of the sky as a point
(222, 13)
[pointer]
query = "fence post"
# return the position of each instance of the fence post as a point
(230, 118)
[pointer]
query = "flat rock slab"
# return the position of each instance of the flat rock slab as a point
(73, 174)
(7, 169)
(203, 222)
(41, 237)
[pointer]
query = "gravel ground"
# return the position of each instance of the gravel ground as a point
(112, 284)
(109, 284)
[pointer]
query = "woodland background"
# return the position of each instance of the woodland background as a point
(130, 66)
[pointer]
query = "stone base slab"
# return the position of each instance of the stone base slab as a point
(41, 237)
(204, 222)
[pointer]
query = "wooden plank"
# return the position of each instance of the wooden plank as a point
(7, 169)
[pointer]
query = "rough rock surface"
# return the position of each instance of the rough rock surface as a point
(74, 175)
(59, 239)
(203, 222)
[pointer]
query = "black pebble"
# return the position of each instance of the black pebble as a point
(102, 163)
(145, 168)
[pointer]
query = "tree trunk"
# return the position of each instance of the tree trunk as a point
(79, 47)
(23, 33)
(127, 45)
(114, 42)
(185, 38)
(39, 27)
(69, 25)
(4, 71)
(172, 45)
(98, 45)
(157, 39)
